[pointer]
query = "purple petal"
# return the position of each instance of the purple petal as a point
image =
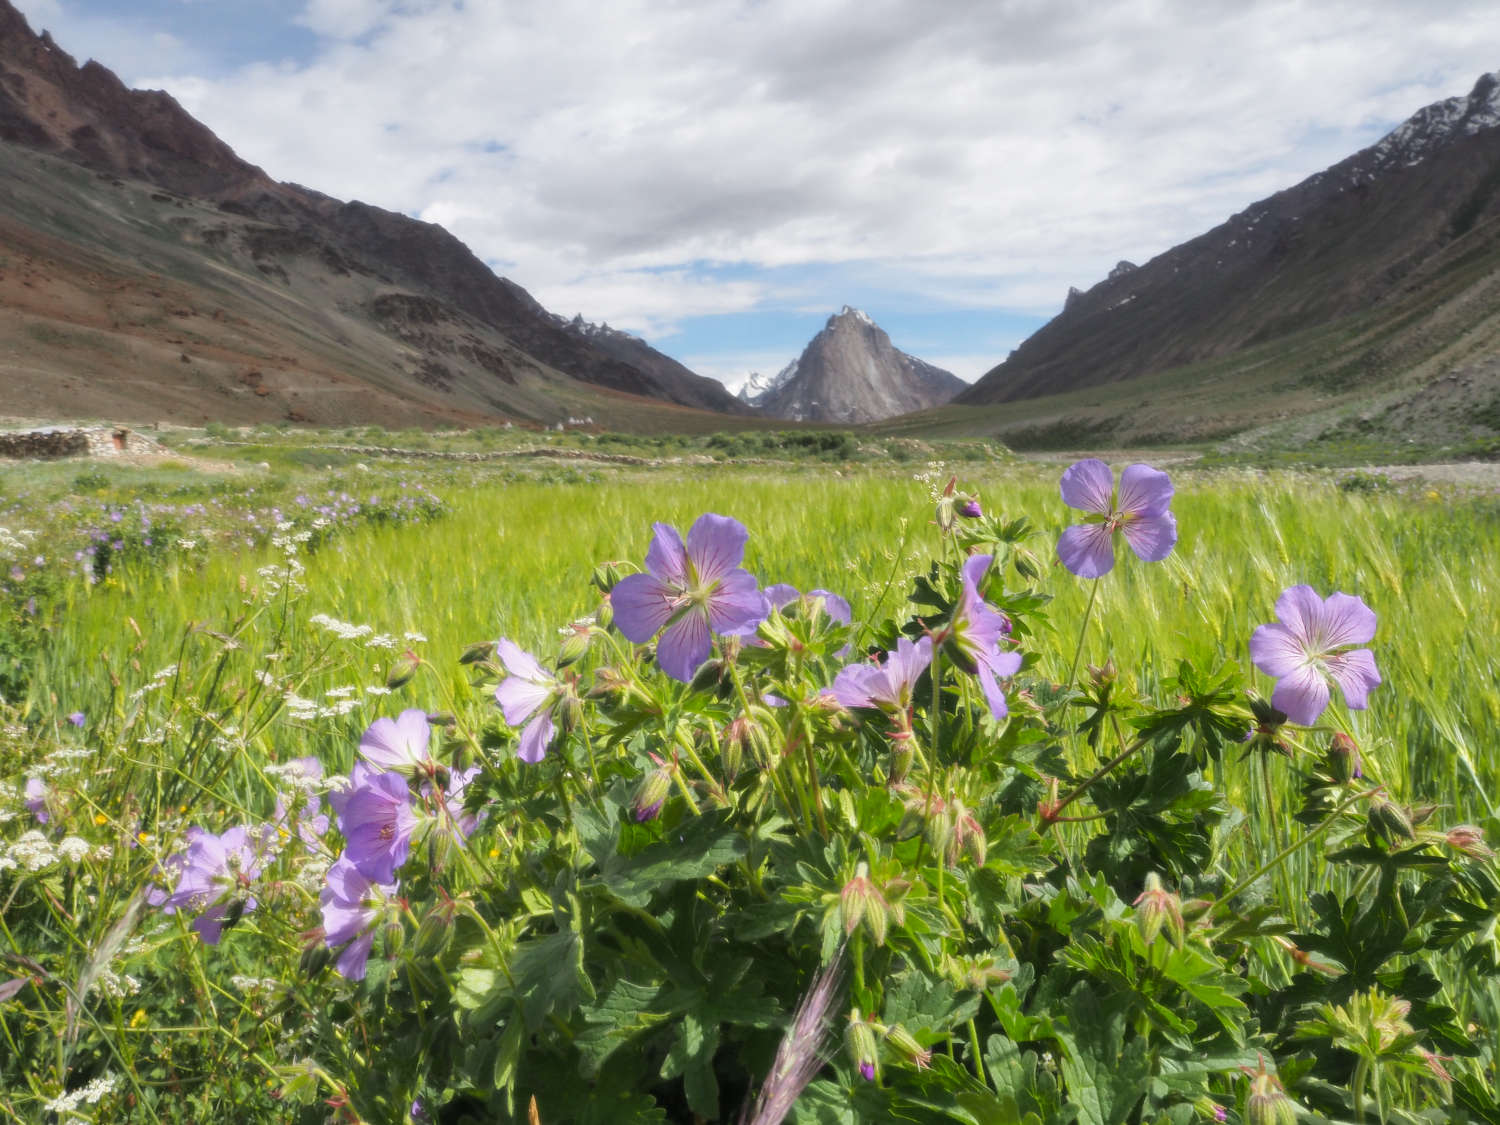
(1301, 695)
(536, 738)
(1144, 492)
(716, 546)
(1301, 610)
(780, 595)
(736, 606)
(910, 660)
(974, 568)
(397, 743)
(351, 962)
(1151, 537)
(518, 698)
(1276, 651)
(857, 685)
(1086, 550)
(992, 692)
(1356, 675)
(642, 605)
(684, 646)
(1088, 485)
(519, 662)
(666, 558)
(833, 605)
(1347, 621)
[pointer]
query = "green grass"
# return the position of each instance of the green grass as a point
(514, 558)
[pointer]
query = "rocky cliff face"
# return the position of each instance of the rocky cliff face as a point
(85, 114)
(851, 372)
(1367, 230)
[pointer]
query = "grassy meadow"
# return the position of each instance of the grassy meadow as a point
(431, 557)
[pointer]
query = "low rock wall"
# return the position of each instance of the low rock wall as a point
(97, 441)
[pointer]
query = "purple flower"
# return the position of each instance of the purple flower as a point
(36, 799)
(885, 686)
(781, 595)
(527, 693)
(1140, 511)
(77, 719)
(461, 822)
(377, 820)
(399, 744)
(970, 509)
(975, 634)
(689, 591)
(1309, 645)
(213, 877)
(352, 907)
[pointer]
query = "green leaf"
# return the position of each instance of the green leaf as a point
(1106, 1074)
(698, 849)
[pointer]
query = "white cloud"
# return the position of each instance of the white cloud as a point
(990, 154)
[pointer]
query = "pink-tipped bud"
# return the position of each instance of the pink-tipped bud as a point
(1469, 840)
(861, 901)
(402, 669)
(1267, 1103)
(1156, 909)
(1344, 762)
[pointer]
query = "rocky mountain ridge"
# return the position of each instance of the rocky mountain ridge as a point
(1365, 231)
(850, 372)
(447, 331)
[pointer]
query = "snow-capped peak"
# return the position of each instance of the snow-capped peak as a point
(1415, 138)
(850, 310)
(758, 385)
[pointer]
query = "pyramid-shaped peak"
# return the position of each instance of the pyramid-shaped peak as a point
(850, 313)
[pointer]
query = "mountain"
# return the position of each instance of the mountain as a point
(850, 372)
(1377, 277)
(183, 282)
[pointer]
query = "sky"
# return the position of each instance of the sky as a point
(721, 176)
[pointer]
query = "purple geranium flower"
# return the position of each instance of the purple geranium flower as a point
(1140, 511)
(377, 820)
(77, 719)
(887, 686)
(352, 907)
(461, 822)
(1309, 645)
(399, 744)
(36, 799)
(213, 877)
(976, 632)
(689, 591)
(782, 594)
(527, 693)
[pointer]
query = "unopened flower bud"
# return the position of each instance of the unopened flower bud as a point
(969, 508)
(1343, 762)
(1389, 820)
(968, 836)
(605, 614)
(434, 932)
(861, 901)
(478, 652)
(1209, 1109)
(1027, 565)
(906, 1045)
(859, 1041)
(652, 793)
(1267, 1103)
(903, 753)
(395, 937)
(402, 669)
(575, 644)
(606, 576)
(1104, 676)
(1157, 908)
(1469, 840)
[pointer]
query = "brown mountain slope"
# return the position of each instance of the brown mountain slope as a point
(345, 293)
(1384, 234)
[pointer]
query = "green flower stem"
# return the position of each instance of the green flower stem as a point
(974, 1050)
(1083, 629)
(1357, 1087)
(686, 745)
(1294, 846)
(1054, 813)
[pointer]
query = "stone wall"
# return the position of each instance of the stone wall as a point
(95, 441)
